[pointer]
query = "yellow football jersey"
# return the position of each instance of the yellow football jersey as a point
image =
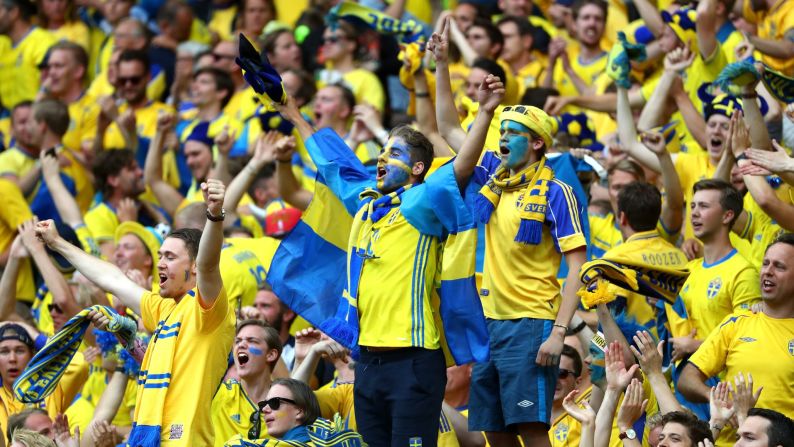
(566, 431)
(756, 344)
(520, 281)
(222, 21)
(398, 280)
(589, 72)
(19, 72)
(75, 31)
(774, 24)
(14, 211)
(365, 85)
(714, 291)
(196, 345)
(244, 265)
(16, 162)
(83, 115)
(692, 168)
(232, 413)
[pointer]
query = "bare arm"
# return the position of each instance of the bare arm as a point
(781, 49)
(263, 154)
(288, 186)
(426, 115)
(460, 425)
(707, 28)
(692, 384)
(64, 201)
(618, 378)
(650, 358)
(466, 51)
(628, 133)
(223, 142)
(104, 274)
(490, 94)
(673, 208)
(167, 195)
(8, 283)
(446, 113)
(208, 272)
(693, 119)
(651, 16)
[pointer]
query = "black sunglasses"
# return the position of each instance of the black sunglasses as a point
(54, 307)
(275, 402)
(134, 80)
(256, 424)
(564, 373)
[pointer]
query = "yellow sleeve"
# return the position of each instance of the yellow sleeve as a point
(153, 307)
(74, 377)
(209, 318)
(746, 291)
(102, 223)
(87, 240)
(711, 355)
(14, 211)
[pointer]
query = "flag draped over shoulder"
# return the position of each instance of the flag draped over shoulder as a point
(310, 267)
(45, 369)
(647, 265)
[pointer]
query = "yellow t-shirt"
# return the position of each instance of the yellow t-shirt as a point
(530, 76)
(566, 431)
(244, 265)
(399, 280)
(19, 73)
(76, 32)
(81, 411)
(202, 339)
(589, 72)
(242, 106)
(756, 344)
(714, 291)
(604, 233)
(760, 229)
(102, 221)
(222, 21)
(774, 24)
(14, 211)
(232, 411)
(16, 162)
(519, 280)
(83, 115)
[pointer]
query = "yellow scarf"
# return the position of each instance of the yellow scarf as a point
(533, 201)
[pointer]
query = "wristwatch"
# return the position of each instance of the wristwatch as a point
(628, 434)
(216, 218)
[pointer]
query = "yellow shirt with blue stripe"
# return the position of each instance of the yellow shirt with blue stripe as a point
(588, 71)
(19, 72)
(714, 291)
(760, 229)
(16, 162)
(232, 411)
(199, 358)
(566, 431)
(756, 344)
(520, 281)
(244, 265)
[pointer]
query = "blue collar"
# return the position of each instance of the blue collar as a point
(725, 31)
(299, 433)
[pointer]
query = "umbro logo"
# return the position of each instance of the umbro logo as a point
(747, 339)
(525, 403)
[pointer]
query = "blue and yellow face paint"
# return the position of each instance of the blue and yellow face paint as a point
(394, 165)
(516, 139)
(597, 361)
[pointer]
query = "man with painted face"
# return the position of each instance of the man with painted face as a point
(192, 320)
(401, 228)
(257, 348)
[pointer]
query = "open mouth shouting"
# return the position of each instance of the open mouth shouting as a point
(242, 358)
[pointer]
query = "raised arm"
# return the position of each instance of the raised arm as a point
(675, 62)
(672, 208)
(628, 134)
(781, 49)
(291, 113)
(289, 187)
(61, 292)
(650, 357)
(263, 154)
(466, 51)
(776, 161)
(489, 95)
(208, 272)
(618, 378)
(223, 142)
(707, 28)
(8, 283)
(446, 113)
(104, 274)
(64, 201)
(166, 194)
(426, 114)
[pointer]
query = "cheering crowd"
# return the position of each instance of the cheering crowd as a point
(397, 223)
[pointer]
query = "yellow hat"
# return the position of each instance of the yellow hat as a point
(534, 118)
(150, 237)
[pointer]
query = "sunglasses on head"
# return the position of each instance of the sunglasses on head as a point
(564, 373)
(54, 307)
(275, 403)
(134, 80)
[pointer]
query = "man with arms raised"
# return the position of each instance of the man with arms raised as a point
(192, 322)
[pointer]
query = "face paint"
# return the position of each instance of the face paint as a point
(255, 351)
(514, 144)
(394, 165)
(597, 362)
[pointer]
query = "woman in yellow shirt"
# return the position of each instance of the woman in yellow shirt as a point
(59, 17)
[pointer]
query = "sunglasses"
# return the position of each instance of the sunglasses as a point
(134, 80)
(564, 373)
(54, 307)
(333, 39)
(275, 403)
(256, 424)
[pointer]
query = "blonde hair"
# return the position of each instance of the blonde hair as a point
(30, 438)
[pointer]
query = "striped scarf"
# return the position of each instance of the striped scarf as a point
(373, 207)
(45, 369)
(533, 201)
(410, 30)
(321, 433)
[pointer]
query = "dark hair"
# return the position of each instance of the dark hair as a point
(537, 96)
(304, 398)
(169, 11)
(630, 166)
(730, 199)
(109, 163)
(573, 354)
(494, 35)
(697, 430)
(781, 427)
(191, 238)
(267, 172)
(54, 113)
(522, 24)
(785, 238)
(18, 420)
(579, 4)
(308, 87)
(222, 80)
(421, 147)
(348, 97)
(27, 9)
(19, 105)
(69, 16)
(272, 339)
(269, 41)
(642, 204)
(490, 66)
(138, 56)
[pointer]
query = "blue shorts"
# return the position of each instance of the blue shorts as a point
(511, 388)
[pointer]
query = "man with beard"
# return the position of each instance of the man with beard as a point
(279, 316)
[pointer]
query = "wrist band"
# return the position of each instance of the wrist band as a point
(741, 156)
(561, 325)
(422, 94)
(716, 427)
(577, 329)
